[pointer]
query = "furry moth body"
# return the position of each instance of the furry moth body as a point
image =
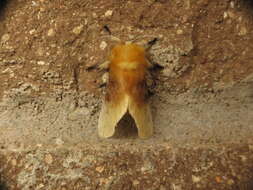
(126, 91)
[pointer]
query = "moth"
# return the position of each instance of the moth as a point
(126, 90)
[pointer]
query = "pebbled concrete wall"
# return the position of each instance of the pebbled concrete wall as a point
(51, 95)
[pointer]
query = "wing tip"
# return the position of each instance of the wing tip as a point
(145, 132)
(103, 132)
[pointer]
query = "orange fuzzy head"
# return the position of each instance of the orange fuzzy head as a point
(127, 68)
(128, 56)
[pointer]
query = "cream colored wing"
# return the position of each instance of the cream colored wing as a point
(110, 115)
(143, 118)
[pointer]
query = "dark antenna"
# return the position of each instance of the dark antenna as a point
(107, 29)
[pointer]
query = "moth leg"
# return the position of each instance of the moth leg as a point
(150, 64)
(152, 42)
(105, 78)
(116, 39)
(128, 42)
(104, 65)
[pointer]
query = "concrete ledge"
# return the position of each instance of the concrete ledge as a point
(126, 167)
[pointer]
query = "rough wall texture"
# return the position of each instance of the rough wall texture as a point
(50, 95)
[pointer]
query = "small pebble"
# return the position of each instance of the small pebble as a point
(100, 169)
(32, 31)
(230, 182)
(225, 15)
(103, 45)
(196, 179)
(42, 9)
(243, 158)
(218, 179)
(41, 63)
(6, 71)
(59, 142)
(40, 186)
(136, 182)
(48, 159)
(40, 51)
(232, 4)
(94, 15)
(108, 13)
(85, 21)
(179, 32)
(5, 38)
(243, 31)
(77, 30)
(51, 32)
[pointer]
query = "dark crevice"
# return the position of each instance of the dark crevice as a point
(76, 72)
(246, 5)
(249, 3)
(3, 186)
(126, 128)
(76, 77)
(3, 5)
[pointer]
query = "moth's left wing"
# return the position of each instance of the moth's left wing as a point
(110, 115)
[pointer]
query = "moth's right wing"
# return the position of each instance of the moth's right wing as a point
(142, 117)
(110, 115)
